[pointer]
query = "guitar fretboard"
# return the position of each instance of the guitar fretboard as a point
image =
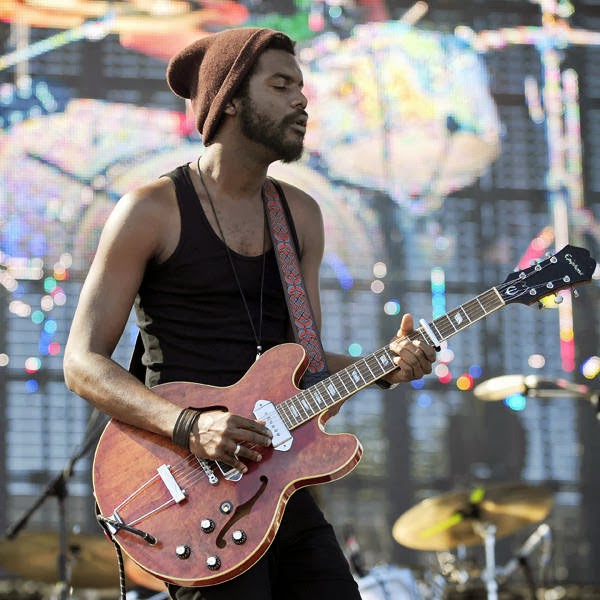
(341, 385)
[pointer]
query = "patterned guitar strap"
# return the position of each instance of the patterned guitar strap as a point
(302, 318)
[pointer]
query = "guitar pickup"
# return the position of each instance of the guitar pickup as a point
(267, 412)
(167, 477)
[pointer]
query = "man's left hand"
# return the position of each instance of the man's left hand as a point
(413, 358)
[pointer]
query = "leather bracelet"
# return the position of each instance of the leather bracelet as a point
(184, 425)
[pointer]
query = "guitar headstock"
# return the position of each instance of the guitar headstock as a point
(568, 267)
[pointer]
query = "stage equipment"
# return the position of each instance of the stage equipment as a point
(466, 518)
(499, 388)
(36, 556)
(454, 519)
(388, 582)
(23, 552)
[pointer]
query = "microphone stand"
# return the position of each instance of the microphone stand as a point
(57, 487)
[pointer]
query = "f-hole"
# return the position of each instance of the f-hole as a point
(240, 512)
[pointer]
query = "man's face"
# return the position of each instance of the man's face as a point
(272, 112)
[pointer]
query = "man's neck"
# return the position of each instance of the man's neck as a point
(234, 172)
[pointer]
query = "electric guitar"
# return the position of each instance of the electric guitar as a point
(196, 522)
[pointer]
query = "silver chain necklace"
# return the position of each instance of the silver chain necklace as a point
(257, 336)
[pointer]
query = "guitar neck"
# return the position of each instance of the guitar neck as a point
(341, 385)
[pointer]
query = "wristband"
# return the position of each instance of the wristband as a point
(184, 425)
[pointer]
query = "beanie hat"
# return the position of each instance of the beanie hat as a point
(210, 71)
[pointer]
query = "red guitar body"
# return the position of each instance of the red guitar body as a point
(244, 514)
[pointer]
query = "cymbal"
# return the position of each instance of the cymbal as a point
(449, 520)
(34, 555)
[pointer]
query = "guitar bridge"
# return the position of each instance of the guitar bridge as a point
(167, 478)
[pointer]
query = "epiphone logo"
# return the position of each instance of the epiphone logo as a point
(571, 261)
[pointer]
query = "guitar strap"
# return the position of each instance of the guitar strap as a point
(301, 314)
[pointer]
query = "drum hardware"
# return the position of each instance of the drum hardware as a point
(76, 560)
(488, 533)
(353, 551)
(35, 555)
(499, 388)
(388, 582)
(459, 519)
(134, 595)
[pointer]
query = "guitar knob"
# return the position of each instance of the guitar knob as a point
(213, 563)
(207, 525)
(239, 537)
(183, 552)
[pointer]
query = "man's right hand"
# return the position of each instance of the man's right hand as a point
(230, 438)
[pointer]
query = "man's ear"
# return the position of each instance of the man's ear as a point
(231, 107)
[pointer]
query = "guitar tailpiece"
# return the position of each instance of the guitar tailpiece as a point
(114, 526)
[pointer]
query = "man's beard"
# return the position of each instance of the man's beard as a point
(262, 129)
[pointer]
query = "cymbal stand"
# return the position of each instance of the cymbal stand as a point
(488, 532)
(57, 487)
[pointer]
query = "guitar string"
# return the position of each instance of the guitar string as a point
(192, 473)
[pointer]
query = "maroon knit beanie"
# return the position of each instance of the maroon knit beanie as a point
(210, 71)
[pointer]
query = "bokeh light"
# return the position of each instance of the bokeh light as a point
(516, 402)
(392, 307)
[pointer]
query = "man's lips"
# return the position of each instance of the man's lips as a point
(298, 122)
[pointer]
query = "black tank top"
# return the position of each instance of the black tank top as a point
(189, 309)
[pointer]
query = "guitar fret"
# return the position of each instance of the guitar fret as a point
(476, 309)
(348, 381)
(319, 398)
(284, 412)
(356, 376)
(304, 400)
(341, 380)
(333, 391)
(421, 335)
(444, 330)
(305, 405)
(457, 318)
(370, 370)
(384, 360)
(294, 411)
(487, 300)
(440, 337)
(310, 402)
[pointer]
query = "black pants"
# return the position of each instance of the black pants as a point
(304, 562)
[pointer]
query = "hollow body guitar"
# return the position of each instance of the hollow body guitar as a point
(195, 522)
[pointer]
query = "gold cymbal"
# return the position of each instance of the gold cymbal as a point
(449, 520)
(34, 555)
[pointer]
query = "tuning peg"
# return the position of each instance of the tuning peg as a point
(558, 299)
(575, 293)
(540, 305)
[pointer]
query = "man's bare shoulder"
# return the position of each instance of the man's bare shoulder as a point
(308, 219)
(156, 199)
(301, 204)
(147, 217)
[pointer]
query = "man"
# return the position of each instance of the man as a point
(193, 253)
